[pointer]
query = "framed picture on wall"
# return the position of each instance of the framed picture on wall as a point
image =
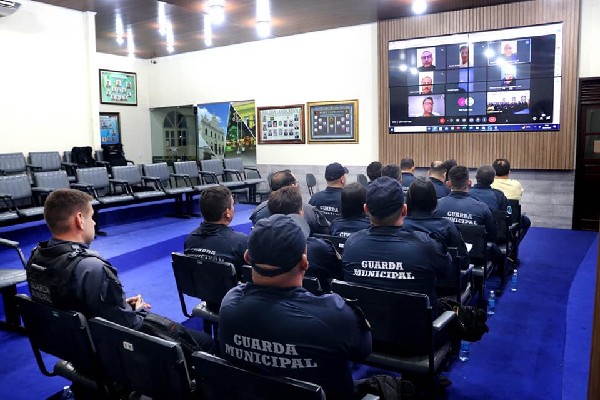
(117, 87)
(333, 122)
(281, 125)
(110, 128)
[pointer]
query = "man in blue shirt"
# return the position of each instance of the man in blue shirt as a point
(483, 191)
(353, 218)
(329, 201)
(437, 175)
(276, 327)
(407, 166)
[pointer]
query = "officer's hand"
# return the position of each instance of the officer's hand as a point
(137, 302)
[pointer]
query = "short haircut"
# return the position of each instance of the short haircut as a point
(391, 170)
(421, 196)
(449, 164)
(485, 175)
(427, 98)
(464, 46)
(354, 197)
(437, 168)
(389, 220)
(286, 200)
(459, 177)
(281, 179)
(61, 205)
(213, 203)
(501, 166)
(407, 163)
(374, 170)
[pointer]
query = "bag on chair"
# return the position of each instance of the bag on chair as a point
(471, 321)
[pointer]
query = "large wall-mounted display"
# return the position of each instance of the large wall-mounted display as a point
(502, 80)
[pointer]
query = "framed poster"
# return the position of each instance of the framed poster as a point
(110, 128)
(333, 122)
(281, 125)
(117, 87)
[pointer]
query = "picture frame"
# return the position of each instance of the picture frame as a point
(118, 87)
(333, 121)
(281, 125)
(110, 128)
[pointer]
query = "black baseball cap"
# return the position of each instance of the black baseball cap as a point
(335, 171)
(278, 241)
(384, 196)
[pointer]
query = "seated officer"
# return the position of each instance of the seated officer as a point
(325, 263)
(437, 175)
(374, 170)
(276, 327)
(393, 171)
(460, 208)
(329, 201)
(214, 240)
(388, 256)
(315, 219)
(483, 191)
(353, 218)
(407, 166)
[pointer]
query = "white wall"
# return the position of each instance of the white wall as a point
(45, 100)
(338, 64)
(589, 54)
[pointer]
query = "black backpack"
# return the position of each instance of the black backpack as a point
(471, 322)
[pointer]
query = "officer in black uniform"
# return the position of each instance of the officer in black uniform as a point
(437, 175)
(386, 255)
(374, 170)
(214, 239)
(353, 218)
(483, 191)
(325, 262)
(407, 167)
(276, 327)
(460, 208)
(315, 219)
(329, 201)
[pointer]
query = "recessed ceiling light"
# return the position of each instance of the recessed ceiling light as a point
(419, 6)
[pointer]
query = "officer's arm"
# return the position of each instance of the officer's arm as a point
(355, 332)
(490, 226)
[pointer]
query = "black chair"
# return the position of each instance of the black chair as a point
(311, 183)
(503, 242)
(406, 338)
(220, 380)
(65, 335)
(516, 229)
(337, 242)
(458, 286)
(205, 280)
(81, 157)
(9, 279)
(310, 283)
(114, 155)
(138, 364)
(362, 179)
(479, 257)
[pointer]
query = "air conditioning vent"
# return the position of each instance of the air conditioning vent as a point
(8, 7)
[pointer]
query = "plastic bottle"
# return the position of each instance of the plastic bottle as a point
(465, 350)
(67, 394)
(514, 281)
(491, 309)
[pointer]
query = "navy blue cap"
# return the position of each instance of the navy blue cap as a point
(335, 171)
(278, 241)
(384, 196)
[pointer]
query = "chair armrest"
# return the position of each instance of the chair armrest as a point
(443, 320)
(130, 162)
(41, 190)
(102, 164)
(8, 200)
(9, 243)
(238, 174)
(157, 183)
(125, 188)
(33, 167)
(82, 186)
(212, 176)
(186, 179)
(69, 167)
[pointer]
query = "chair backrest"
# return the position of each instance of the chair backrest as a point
(82, 156)
(96, 176)
(114, 154)
(189, 168)
(515, 214)
(362, 179)
(338, 242)
(17, 186)
(214, 166)
(137, 362)
(220, 380)
(475, 235)
(47, 160)
(159, 170)
(63, 334)
(12, 163)
(203, 279)
(311, 182)
(401, 322)
(129, 173)
(51, 180)
(502, 224)
(234, 163)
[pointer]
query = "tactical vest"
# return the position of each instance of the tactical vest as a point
(49, 271)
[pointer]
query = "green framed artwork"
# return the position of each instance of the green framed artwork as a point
(118, 87)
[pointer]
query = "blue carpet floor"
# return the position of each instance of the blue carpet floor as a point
(537, 348)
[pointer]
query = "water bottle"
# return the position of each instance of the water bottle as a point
(491, 309)
(465, 350)
(67, 394)
(514, 281)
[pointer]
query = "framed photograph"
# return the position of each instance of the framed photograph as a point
(333, 122)
(281, 125)
(117, 87)
(110, 128)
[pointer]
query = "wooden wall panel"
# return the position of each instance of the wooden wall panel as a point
(531, 150)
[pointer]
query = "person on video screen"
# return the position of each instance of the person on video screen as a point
(509, 81)
(464, 56)
(426, 84)
(428, 108)
(508, 53)
(426, 61)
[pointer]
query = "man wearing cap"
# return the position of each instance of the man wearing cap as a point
(276, 327)
(386, 255)
(329, 201)
(315, 219)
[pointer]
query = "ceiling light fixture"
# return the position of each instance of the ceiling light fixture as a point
(130, 43)
(217, 11)
(207, 31)
(119, 29)
(263, 18)
(162, 18)
(419, 6)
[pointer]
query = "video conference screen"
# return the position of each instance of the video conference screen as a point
(504, 80)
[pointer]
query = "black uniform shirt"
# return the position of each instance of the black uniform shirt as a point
(441, 190)
(494, 198)
(328, 201)
(461, 208)
(345, 227)
(316, 221)
(407, 179)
